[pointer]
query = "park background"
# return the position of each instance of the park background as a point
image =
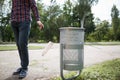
(67, 13)
(55, 14)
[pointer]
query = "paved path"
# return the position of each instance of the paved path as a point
(43, 67)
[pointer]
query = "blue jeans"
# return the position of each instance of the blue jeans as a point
(21, 32)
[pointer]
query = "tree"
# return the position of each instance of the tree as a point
(4, 17)
(67, 13)
(82, 9)
(100, 33)
(83, 17)
(49, 16)
(35, 33)
(115, 22)
(52, 28)
(1, 14)
(4, 24)
(1, 5)
(89, 25)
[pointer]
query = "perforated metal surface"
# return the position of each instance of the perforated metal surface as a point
(70, 54)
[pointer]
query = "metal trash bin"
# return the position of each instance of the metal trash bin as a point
(71, 50)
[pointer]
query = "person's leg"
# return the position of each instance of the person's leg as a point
(15, 28)
(21, 31)
(24, 30)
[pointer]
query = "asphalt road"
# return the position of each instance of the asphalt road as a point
(44, 67)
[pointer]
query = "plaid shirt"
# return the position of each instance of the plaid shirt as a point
(21, 10)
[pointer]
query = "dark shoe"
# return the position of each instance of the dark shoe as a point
(23, 73)
(17, 72)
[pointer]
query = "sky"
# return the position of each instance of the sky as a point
(102, 10)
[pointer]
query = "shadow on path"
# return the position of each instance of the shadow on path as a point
(27, 78)
(12, 78)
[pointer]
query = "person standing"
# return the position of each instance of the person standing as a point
(20, 23)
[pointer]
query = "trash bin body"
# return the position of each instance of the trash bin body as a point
(71, 49)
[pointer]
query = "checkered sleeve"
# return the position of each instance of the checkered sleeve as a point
(34, 8)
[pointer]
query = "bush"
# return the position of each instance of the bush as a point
(109, 70)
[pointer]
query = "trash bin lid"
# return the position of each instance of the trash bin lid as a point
(71, 28)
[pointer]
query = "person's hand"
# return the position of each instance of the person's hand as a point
(41, 26)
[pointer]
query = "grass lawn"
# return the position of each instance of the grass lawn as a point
(102, 43)
(8, 47)
(108, 70)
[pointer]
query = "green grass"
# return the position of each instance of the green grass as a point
(102, 43)
(9, 48)
(109, 70)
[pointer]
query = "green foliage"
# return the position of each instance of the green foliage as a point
(67, 76)
(115, 22)
(82, 14)
(51, 24)
(9, 33)
(101, 32)
(69, 14)
(89, 26)
(109, 70)
(10, 47)
(4, 25)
